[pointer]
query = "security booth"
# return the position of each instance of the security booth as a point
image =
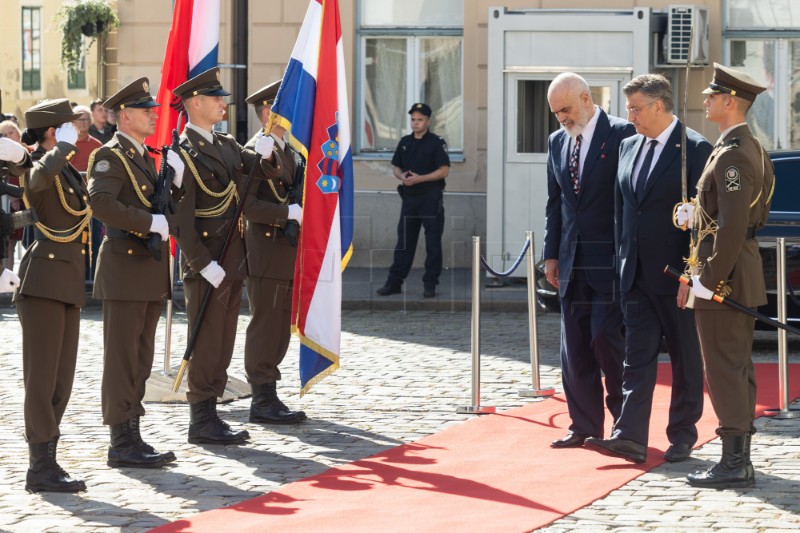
(526, 50)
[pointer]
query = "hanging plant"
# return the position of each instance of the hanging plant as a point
(83, 17)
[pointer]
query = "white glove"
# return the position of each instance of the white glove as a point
(684, 214)
(699, 290)
(264, 145)
(175, 161)
(67, 133)
(11, 151)
(8, 281)
(296, 213)
(213, 273)
(159, 225)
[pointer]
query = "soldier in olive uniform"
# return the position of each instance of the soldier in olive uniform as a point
(270, 262)
(217, 168)
(52, 292)
(734, 192)
(131, 282)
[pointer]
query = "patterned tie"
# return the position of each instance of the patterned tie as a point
(641, 179)
(575, 165)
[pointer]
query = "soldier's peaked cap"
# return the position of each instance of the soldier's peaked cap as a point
(134, 95)
(419, 107)
(731, 81)
(50, 113)
(265, 95)
(206, 83)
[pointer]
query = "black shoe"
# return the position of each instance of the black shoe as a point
(267, 408)
(45, 474)
(387, 290)
(168, 456)
(429, 292)
(732, 472)
(207, 428)
(125, 451)
(572, 440)
(678, 452)
(619, 447)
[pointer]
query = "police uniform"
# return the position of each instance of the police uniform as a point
(734, 191)
(217, 168)
(129, 280)
(51, 294)
(270, 261)
(422, 207)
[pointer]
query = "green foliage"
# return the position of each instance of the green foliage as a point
(95, 16)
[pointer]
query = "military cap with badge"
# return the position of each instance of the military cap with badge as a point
(206, 83)
(733, 82)
(265, 95)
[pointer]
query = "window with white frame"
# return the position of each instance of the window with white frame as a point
(410, 51)
(763, 39)
(31, 48)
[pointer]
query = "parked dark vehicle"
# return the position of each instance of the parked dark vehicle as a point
(784, 221)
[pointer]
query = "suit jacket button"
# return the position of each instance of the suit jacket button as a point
(130, 251)
(51, 256)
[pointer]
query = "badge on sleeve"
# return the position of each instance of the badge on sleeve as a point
(102, 166)
(733, 180)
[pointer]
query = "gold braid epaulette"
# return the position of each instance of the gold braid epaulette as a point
(228, 195)
(58, 235)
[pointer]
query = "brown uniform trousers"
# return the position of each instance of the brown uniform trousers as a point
(51, 292)
(129, 280)
(734, 191)
(270, 262)
(201, 235)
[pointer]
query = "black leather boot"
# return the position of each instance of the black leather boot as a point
(731, 472)
(45, 474)
(267, 408)
(134, 422)
(207, 428)
(751, 472)
(126, 452)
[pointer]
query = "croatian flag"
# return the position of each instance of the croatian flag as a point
(191, 49)
(312, 107)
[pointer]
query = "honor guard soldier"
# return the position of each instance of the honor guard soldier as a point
(421, 164)
(217, 171)
(733, 198)
(14, 161)
(270, 263)
(130, 280)
(52, 290)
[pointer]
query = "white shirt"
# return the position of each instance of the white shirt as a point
(661, 142)
(586, 141)
(727, 131)
(207, 135)
(137, 144)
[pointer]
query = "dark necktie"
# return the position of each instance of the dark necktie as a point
(641, 179)
(575, 165)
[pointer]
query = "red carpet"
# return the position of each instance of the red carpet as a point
(493, 473)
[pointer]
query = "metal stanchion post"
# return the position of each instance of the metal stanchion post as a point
(536, 391)
(476, 408)
(783, 410)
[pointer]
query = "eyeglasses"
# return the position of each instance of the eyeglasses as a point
(81, 120)
(636, 110)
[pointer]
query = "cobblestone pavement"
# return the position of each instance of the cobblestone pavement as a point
(402, 377)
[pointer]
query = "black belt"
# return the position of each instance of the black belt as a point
(749, 234)
(114, 233)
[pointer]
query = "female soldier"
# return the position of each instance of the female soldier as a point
(52, 289)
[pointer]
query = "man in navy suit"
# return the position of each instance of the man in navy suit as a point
(647, 189)
(579, 253)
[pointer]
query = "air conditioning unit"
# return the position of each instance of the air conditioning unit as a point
(685, 23)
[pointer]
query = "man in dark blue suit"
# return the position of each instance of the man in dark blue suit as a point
(580, 256)
(647, 189)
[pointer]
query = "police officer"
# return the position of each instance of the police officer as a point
(270, 262)
(51, 293)
(129, 280)
(14, 160)
(421, 164)
(217, 170)
(734, 193)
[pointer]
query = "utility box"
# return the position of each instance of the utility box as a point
(526, 50)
